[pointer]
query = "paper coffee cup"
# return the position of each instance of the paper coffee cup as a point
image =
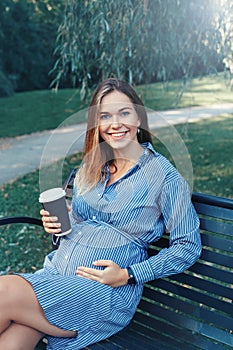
(54, 201)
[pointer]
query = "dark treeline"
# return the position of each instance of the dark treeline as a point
(28, 30)
(82, 41)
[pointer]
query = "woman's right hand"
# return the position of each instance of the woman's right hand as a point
(50, 223)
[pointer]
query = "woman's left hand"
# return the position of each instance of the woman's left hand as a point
(112, 275)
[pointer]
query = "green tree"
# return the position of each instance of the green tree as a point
(95, 41)
(140, 41)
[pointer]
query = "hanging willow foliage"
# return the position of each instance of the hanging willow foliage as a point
(138, 41)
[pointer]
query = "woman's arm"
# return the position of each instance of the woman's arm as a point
(182, 223)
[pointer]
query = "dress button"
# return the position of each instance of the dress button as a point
(66, 257)
(80, 232)
(93, 217)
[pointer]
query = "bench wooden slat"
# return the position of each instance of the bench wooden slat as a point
(212, 272)
(108, 346)
(212, 211)
(217, 242)
(209, 286)
(211, 298)
(105, 345)
(217, 258)
(219, 227)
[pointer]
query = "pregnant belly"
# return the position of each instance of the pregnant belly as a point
(69, 256)
(90, 242)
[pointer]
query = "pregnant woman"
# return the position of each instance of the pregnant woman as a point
(125, 196)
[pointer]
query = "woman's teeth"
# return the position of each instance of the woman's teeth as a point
(119, 134)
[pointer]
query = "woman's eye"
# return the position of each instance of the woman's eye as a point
(125, 113)
(104, 116)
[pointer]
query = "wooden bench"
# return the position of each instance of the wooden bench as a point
(192, 310)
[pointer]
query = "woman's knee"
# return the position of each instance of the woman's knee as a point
(11, 292)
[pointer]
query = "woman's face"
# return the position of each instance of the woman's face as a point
(118, 120)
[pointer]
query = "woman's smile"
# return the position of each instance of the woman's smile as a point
(118, 135)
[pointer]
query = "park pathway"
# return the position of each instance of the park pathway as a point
(23, 154)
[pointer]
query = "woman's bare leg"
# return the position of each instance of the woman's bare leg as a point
(18, 337)
(18, 304)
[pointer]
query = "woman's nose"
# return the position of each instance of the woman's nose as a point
(116, 122)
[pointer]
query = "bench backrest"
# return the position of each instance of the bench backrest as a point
(195, 308)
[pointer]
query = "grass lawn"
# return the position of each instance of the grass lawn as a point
(29, 112)
(22, 247)
(198, 92)
(210, 145)
(33, 111)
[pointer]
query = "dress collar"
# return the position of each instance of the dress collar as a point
(148, 150)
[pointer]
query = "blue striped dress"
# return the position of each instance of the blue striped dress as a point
(117, 222)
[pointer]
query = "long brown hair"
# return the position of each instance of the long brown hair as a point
(97, 152)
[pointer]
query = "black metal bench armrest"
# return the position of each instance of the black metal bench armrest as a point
(20, 220)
